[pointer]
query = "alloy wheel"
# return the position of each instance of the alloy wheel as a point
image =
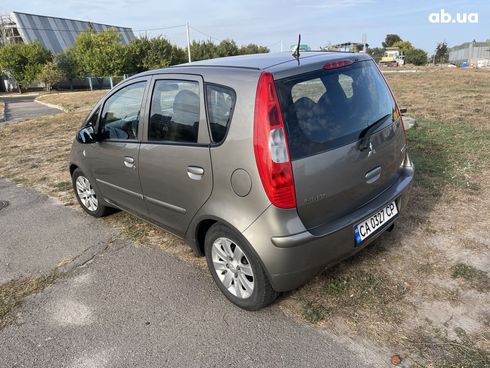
(233, 268)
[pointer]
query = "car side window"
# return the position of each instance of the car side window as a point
(220, 102)
(174, 111)
(121, 113)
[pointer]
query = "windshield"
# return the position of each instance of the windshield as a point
(327, 109)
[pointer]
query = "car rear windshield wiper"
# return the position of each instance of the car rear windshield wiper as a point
(365, 136)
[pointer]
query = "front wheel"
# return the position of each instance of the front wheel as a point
(87, 196)
(236, 269)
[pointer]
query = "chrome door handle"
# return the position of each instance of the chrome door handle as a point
(195, 172)
(129, 162)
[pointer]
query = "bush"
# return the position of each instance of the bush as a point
(416, 57)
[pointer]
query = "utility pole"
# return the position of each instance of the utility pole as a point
(188, 42)
(282, 47)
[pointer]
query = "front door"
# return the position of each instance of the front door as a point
(114, 158)
(175, 164)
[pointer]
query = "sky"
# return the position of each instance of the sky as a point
(267, 23)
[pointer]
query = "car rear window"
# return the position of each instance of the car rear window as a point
(327, 109)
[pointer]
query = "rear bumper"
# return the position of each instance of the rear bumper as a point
(293, 259)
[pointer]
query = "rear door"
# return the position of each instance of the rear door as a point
(325, 113)
(174, 162)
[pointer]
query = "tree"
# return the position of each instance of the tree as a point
(67, 64)
(201, 50)
(416, 57)
(442, 53)
(50, 74)
(150, 53)
(252, 48)
(23, 61)
(404, 46)
(99, 54)
(227, 48)
(376, 52)
(390, 39)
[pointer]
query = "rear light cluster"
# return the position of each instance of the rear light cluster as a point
(271, 146)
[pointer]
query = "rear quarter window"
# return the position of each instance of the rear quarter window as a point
(220, 102)
(327, 109)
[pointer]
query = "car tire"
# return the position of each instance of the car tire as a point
(235, 267)
(87, 196)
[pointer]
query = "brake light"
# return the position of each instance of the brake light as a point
(337, 64)
(271, 147)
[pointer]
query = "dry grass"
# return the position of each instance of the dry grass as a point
(409, 291)
(12, 293)
(74, 100)
(400, 292)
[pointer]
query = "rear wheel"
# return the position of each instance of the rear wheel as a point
(236, 269)
(87, 196)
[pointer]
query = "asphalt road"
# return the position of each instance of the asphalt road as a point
(138, 307)
(18, 108)
(37, 234)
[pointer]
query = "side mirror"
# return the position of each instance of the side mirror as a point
(403, 110)
(86, 135)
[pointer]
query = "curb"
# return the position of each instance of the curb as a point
(409, 122)
(53, 106)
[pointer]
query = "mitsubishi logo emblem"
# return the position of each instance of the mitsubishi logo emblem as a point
(372, 151)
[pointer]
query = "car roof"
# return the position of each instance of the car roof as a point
(280, 64)
(266, 61)
(270, 60)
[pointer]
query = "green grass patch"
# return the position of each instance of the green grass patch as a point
(314, 312)
(12, 294)
(63, 186)
(449, 153)
(476, 278)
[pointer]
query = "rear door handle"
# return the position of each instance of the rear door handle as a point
(129, 162)
(195, 172)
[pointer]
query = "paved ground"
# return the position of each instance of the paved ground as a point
(18, 108)
(37, 234)
(134, 306)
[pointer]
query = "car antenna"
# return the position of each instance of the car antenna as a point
(296, 52)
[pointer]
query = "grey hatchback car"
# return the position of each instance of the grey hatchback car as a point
(271, 166)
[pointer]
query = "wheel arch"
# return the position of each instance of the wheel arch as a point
(73, 167)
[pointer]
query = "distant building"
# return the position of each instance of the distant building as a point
(54, 34)
(476, 53)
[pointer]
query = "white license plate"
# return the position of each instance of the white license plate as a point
(369, 226)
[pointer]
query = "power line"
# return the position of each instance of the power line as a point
(205, 34)
(158, 29)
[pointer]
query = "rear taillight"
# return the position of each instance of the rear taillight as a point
(271, 146)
